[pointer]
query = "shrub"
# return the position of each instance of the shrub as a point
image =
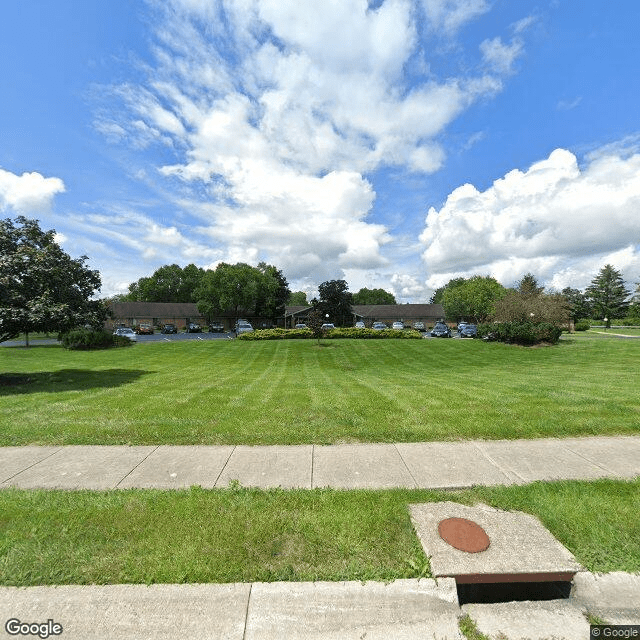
(582, 325)
(344, 332)
(523, 333)
(85, 339)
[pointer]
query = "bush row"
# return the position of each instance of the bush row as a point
(344, 332)
(84, 339)
(524, 333)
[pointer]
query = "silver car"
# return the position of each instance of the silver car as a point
(243, 326)
(125, 332)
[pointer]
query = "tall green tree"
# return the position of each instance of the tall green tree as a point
(259, 291)
(230, 287)
(438, 294)
(528, 286)
(578, 303)
(169, 283)
(42, 288)
(373, 296)
(273, 293)
(335, 301)
(472, 299)
(608, 294)
(298, 299)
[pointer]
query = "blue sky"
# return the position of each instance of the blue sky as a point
(395, 143)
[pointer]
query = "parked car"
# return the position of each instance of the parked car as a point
(360, 325)
(397, 325)
(193, 327)
(125, 332)
(468, 331)
(169, 328)
(327, 325)
(216, 327)
(419, 326)
(379, 326)
(243, 326)
(440, 330)
(301, 325)
(144, 328)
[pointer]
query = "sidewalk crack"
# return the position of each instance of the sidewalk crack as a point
(126, 475)
(224, 466)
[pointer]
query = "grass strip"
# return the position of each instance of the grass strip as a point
(296, 392)
(245, 535)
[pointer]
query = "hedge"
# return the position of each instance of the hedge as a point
(85, 339)
(523, 333)
(344, 332)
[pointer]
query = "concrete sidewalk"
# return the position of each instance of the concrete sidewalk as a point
(429, 465)
(400, 610)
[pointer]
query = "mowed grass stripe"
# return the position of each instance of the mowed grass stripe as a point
(246, 535)
(299, 392)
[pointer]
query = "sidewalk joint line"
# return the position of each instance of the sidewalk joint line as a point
(126, 475)
(597, 464)
(406, 466)
(313, 453)
(53, 453)
(476, 444)
(224, 466)
(246, 613)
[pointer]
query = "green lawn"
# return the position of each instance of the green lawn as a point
(294, 392)
(236, 534)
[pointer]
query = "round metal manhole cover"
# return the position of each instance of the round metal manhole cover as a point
(464, 535)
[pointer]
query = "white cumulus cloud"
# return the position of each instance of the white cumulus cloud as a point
(556, 219)
(29, 193)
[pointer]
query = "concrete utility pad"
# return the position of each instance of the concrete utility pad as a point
(82, 467)
(520, 550)
(272, 466)
(178, 467)
(133, 612)
(557, 619)
(360, 466)
(402, 610)
(13, 460)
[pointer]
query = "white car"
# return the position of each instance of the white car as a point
(359, 325)
(243, 326)
(397, 325)
(125, 332)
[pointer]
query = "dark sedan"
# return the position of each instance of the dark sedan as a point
(468, 331)
(169, 328)
(440, 330)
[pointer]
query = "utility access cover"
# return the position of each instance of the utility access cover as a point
(481, 544)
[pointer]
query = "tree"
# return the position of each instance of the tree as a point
(373, 296)
(335, 301)
(578, 302)
(273, 293)
(169, 283)
(436, 298)
(608, 294)
(528, 286)
(228, 287)
(472, 299)
(260, 291)
(41, 287)
(516, 306)
(298, 299)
